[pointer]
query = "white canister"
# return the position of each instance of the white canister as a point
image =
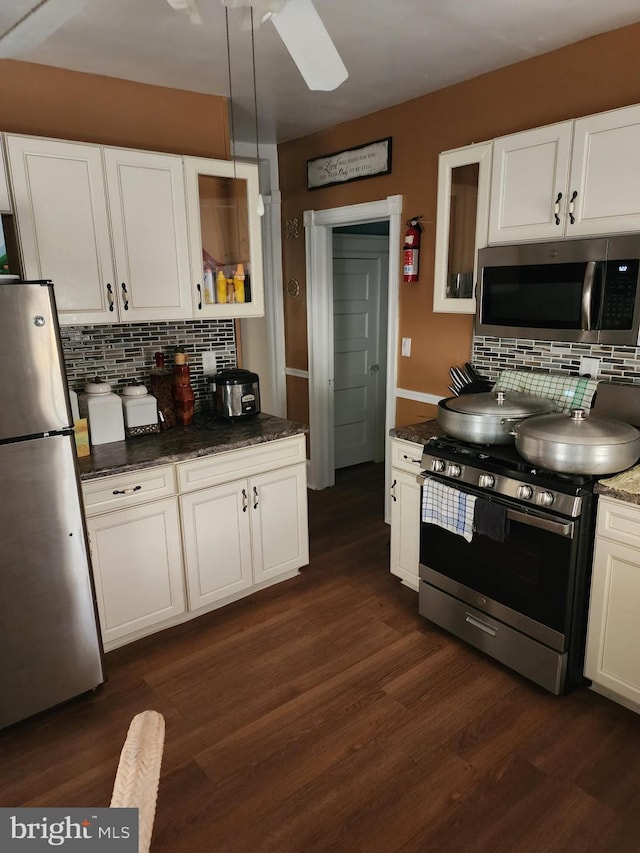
(140, 407)
(103, 408)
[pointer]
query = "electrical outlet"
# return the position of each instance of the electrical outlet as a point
(406, 347)
(208, 362)
(589, 367)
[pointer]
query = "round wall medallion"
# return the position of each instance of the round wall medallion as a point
(293, 287)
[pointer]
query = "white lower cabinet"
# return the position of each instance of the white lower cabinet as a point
(239, 519)
(137, 568)
(612, 659)
(217, 543)
(244, 534)
(405, 511)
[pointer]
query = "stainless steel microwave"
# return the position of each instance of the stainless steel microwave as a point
(571, 290)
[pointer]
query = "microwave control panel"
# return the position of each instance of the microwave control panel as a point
(620, 294)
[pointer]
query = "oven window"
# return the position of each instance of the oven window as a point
(530, 571)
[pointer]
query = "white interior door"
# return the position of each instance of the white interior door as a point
(358, 321)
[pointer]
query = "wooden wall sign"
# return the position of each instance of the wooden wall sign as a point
(365, 161)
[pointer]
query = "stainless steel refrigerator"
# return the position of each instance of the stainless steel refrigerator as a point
(50, 648)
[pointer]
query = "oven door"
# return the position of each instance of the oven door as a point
(525, 581)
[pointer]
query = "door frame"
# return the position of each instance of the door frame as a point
(319, 226)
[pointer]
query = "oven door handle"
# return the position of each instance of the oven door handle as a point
(561, 528)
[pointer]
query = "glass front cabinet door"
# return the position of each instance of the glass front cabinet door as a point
(225, 242)
(461, 225)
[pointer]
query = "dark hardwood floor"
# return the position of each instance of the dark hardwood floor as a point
(325, 714)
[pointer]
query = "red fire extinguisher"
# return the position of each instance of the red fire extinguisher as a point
(411, 249)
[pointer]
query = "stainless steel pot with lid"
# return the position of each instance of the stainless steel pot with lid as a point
(489, 418)
(578, 443)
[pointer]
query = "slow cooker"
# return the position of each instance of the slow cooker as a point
(235, 393)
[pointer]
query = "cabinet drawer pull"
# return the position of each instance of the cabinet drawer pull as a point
(125, 296)
(255, 498)
(410, 458)
(556, 209)
(110, 297)
(127, 491)
(393, 491)
(245, 500)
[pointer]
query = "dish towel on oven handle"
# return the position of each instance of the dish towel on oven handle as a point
(448, 508)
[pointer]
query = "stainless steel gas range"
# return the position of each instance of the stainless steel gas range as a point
(519, 589)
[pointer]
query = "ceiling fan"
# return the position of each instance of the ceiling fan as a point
(296, 21)
(301, 30)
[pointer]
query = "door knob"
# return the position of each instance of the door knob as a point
(374, 368)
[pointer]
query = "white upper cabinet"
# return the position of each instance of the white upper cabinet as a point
(5, 201)
(605, 173)
(529, 176)
(149, 229)
(108, 226)
(461, 225)
(225, 237)
(574, 179)
(63, 224)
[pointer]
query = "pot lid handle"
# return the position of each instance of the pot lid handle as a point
(501, 396)
(578, 415)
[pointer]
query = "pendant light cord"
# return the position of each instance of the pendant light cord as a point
(233, 129)
(255, 91)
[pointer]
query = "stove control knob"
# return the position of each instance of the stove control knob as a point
(525, 493)
(454, 470)
(437, 466)
(486, 481)
(544, 498)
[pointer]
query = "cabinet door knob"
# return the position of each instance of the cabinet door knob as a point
(110, 296)
(572, 207)
(556, 209)
(125, 296)
(255, 498)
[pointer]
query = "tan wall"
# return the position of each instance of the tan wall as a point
(44, 101)
(591, 76)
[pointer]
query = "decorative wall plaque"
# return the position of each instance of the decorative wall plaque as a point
(292, 229)
(293, 287)
(366, 161)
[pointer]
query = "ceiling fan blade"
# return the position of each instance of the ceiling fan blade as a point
(189, 6)
(310, 45)
(37, 25)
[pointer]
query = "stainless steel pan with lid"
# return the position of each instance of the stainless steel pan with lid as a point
(489, 418)
(578, 443)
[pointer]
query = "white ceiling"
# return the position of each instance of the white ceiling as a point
(394, 50)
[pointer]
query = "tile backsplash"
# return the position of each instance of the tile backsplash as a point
(493, 355)
(121, 353)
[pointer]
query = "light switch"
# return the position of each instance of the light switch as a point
(406, 347)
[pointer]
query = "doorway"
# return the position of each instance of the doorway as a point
(319, 226)
(360, 285)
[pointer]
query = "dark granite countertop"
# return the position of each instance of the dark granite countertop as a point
(419, 433)
(623, 487)
(182, 443)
